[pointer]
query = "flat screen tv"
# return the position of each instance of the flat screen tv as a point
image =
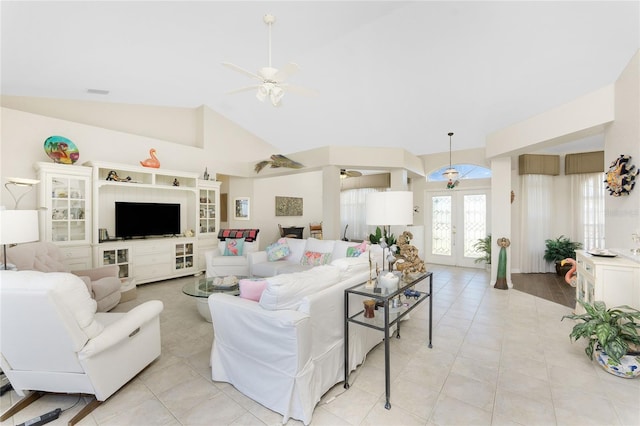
(136, 220)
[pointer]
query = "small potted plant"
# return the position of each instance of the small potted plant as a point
(483, 245)
(559, 249)
(612, 336)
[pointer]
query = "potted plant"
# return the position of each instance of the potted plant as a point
(483, 245)
(559, 249)
(612, 336)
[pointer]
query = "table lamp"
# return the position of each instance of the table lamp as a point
(389, 208)
(17, 226)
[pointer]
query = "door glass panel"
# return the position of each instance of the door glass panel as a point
(441, 225)
(475, 219)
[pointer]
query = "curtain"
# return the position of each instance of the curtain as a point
(587, 199)
(536, 217)
(353, 213)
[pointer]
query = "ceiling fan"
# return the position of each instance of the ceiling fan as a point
(349, 173)
(272, 81)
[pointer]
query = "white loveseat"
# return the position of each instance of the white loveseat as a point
(287, 350)
(260, 266)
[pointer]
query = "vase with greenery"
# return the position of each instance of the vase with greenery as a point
(483, 245)
(559, 249)
(383, 235)
(613, 331)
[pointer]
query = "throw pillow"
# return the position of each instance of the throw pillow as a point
(252, 289)
(314, 258)
(278, 250)
(233, 247)
(356, 251)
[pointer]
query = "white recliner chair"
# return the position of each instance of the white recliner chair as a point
(52, 339)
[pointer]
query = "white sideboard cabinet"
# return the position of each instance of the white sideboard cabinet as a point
(613, 280)
(65, 203)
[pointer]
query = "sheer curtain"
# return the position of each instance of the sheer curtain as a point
(536, 216)
(353, 212)
(587, 199)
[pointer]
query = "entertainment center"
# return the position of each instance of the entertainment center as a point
(174, 218)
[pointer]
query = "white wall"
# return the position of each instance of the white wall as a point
(307, 186)
(622, 214)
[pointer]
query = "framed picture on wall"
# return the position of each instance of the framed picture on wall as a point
(241, 208)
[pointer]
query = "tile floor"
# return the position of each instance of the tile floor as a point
(500, 357)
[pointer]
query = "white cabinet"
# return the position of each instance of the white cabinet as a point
(65, 199)
(209, 208)
(116, 254)
(209, 219)
(162, 258)
(613, 280)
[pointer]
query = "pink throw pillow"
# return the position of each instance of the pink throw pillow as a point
(252, 289)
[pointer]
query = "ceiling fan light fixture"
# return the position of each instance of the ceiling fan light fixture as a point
(276, 95)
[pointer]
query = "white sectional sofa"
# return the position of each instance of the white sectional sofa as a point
(260, 266)
(286, 349)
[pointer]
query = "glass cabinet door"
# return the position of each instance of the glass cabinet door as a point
(68, 209)
(207, 216)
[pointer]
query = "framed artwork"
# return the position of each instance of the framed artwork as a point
(241, 208)
(288, 206)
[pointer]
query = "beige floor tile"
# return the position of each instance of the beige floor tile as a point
(150, 412)
(352, 406)
(451, 411)
(219, 410)
(475, 392)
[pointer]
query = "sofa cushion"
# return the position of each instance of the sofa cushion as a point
(278, 250)
(356, 251)
(287, 290)
(351, 265)
(233, 247)
(319, 246)
(271, 269)
(315, 258)
(252, 289)
(297, 247)
(340, 248)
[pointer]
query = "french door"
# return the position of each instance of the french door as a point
(455, 220)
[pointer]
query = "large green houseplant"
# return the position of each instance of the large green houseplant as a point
(613, 331)
(483, 245)
(559, 249)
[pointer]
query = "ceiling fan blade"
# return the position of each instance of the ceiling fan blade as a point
(241, 70)
(286, 71)
(244, 89)
(353, 173)
(299, 90)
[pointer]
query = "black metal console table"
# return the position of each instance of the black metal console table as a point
(384, 323)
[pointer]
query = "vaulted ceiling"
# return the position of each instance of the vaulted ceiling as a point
(388, 73)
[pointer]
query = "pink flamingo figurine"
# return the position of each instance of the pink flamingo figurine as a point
(153, 161)
(570, 277)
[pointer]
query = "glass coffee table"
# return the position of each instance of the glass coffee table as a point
(202, 287)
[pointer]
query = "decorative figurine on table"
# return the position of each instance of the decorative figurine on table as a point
(153, 161)
(408, 261)
(205, 176)
(176, 182)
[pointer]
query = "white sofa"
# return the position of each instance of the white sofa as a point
(260, 266)
(219, 265)
(287, 350)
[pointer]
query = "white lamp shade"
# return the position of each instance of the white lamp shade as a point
(18, 226)
(390, 208)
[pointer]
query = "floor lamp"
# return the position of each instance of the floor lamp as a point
(389, 208)
(17, 226)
